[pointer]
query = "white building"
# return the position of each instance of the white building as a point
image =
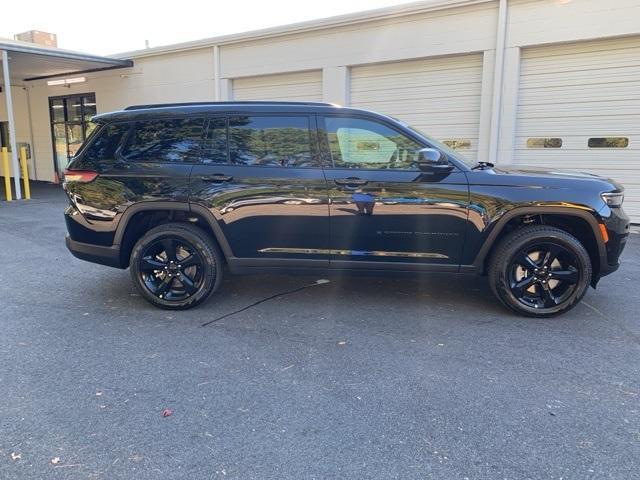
(550, 83)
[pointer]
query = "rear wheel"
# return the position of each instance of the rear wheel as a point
(540, 271)
(176, 266)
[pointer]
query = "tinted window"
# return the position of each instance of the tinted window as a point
(458, 143)
(359, 143)
(107, 141)
(215, 146)
(608, 142)
(176, 140)
(270, 141)
(544, 142)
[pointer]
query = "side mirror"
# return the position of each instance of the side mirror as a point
(432, 160)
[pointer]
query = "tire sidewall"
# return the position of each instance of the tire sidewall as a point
(501, 280)
(211, 267)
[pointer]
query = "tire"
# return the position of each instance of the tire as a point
(540, 271)
(176, 266)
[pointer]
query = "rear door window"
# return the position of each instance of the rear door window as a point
(172, 140)
(274, 141)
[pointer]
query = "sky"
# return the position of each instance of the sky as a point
(113, 26)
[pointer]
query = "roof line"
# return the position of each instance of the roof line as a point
(223, 103)
(59, 53)
(78, 72)
(310, 25)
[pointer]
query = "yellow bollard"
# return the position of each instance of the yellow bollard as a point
(25, 173)
(6, 173)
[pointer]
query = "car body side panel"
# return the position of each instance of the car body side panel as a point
(398, 216)
(97, 206)
(498, 195)
(266, 212)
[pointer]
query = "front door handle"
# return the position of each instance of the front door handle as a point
(351, 181)
(217, 178)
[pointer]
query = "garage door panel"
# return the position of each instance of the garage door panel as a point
(419, 80)
(440, 96)
(581, 91)
(299, 86)
(576, 108)
(581, 94)
(440, 107)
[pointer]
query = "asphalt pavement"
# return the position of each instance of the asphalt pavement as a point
(357, 378)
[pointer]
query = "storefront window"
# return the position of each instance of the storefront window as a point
(70, 125)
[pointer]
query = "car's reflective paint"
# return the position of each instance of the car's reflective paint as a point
(384, 219)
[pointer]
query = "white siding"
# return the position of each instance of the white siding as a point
(440, 96)
(21, 117)
(427, 34)
(579, 91)
(175, 77)
(299, 86)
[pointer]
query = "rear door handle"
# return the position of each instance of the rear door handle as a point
(217, 177)
(351, 181)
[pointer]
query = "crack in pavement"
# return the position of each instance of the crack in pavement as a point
(266, 299)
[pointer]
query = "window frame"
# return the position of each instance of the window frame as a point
(195, 160)
(544, 143)
(209, 118)
(314, 148)
(607, 137)
(83, 123)
(326, 149)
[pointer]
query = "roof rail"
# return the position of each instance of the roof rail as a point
(193, 104)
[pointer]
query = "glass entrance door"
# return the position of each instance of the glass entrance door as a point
(70, 125)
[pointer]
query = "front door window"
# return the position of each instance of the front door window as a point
(70, 125)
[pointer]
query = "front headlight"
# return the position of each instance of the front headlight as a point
(613, 199)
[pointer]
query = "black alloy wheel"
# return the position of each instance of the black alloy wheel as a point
(171, 269)
(540, 271)
(544, 275)
(176, 266)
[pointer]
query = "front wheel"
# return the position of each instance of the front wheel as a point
(540, 271)
(176, 266)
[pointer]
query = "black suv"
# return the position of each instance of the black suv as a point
(178, 192)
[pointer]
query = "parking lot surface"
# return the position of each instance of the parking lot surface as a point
(358, 378)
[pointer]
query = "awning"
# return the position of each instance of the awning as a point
(22, 61)
(34, 62)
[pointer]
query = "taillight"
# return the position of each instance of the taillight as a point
(82, 176)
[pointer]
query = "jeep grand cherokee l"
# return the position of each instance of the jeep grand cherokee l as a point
(180, 192)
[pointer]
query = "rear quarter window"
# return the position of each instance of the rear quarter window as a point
(106, 142)
(172, 140)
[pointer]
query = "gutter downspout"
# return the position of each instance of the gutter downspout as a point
(498, 74)
(33, 147)
(216, 73)
(12, 125)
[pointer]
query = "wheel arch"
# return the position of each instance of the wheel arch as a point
(581, 223)
(141, 217)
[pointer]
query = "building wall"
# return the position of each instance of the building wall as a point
(436, 33)
(189, 75)
(179, 77)
(21, 117)
(543, 22)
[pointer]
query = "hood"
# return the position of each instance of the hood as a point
(550, 177)
(544, 172)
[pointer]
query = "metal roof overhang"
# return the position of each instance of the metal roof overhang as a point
(33, 62)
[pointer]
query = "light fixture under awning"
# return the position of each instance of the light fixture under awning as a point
(66, 81)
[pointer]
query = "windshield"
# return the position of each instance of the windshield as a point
(440, 146)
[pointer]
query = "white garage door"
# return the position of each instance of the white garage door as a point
(440, 96)
(301, 86)
(579, 108)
